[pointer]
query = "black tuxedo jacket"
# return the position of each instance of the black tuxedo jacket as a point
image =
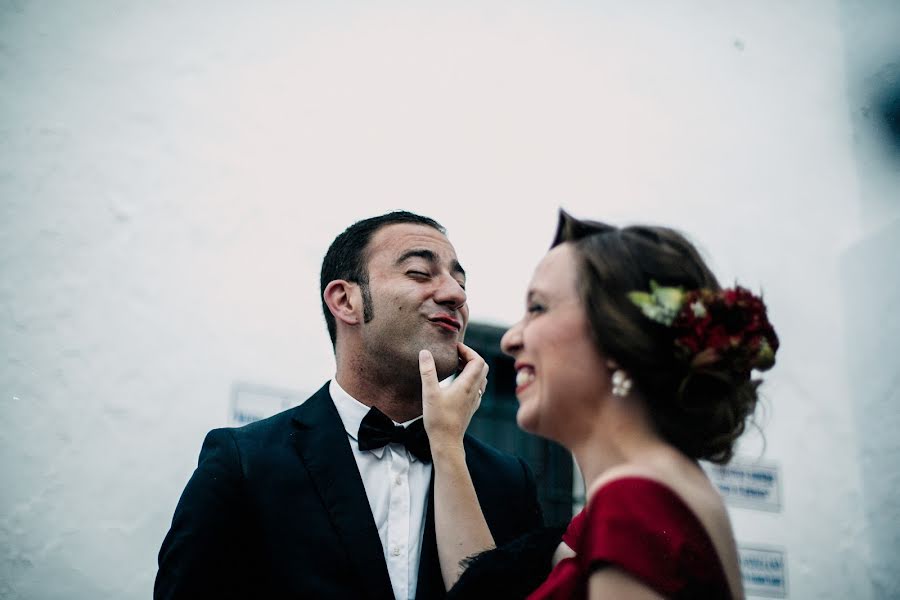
(277, 509)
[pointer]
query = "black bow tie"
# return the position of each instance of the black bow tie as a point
(377, 430)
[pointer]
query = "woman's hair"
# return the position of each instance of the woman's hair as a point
(699, 410)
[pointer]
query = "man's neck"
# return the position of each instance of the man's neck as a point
(399, 400)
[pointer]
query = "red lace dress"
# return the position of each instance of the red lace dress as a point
(643, 528)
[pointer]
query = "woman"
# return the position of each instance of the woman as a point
(632, 357)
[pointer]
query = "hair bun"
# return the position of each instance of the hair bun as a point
(712, 407)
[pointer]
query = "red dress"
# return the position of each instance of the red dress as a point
(643, 528)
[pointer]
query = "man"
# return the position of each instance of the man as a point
(309, 503)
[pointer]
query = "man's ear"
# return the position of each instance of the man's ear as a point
(344, 300)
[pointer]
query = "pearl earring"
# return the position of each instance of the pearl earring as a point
(621, 383)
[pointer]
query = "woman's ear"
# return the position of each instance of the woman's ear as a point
(344, 300)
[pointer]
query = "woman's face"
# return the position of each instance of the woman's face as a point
(560, 374)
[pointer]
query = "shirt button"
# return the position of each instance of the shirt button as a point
(395, 551)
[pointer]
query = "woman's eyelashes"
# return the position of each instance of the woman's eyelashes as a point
(535, 308)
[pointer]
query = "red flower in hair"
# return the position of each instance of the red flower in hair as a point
(730, 325)
(727, 326)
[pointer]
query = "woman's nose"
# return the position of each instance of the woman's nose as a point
(511, 342)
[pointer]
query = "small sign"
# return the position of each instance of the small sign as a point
(251, 402)
(763, 571)
(755, 485)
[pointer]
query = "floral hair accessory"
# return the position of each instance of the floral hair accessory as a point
(661, 304)
(728, 326)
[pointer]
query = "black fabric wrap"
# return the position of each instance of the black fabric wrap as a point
(511, 571)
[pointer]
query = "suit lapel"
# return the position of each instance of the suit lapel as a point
(430, 582)
(324, 449)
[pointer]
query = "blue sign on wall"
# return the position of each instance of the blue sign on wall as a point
(763, 571)
(754, 485)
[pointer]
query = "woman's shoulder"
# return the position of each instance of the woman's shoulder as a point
(642, 500)
(622, 472)
(683, 482)
(682, 487)
(648, 499)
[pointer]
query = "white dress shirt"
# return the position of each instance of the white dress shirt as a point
(396, 484)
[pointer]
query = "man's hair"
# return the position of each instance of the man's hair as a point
(347, 258)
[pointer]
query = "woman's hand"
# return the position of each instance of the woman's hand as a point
(448, 411)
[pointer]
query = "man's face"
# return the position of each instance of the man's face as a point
(417, 288)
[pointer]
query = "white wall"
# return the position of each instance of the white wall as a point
(171, 174)
(870, 282)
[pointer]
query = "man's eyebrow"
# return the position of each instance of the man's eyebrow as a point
(431, 257)
(417, 253)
